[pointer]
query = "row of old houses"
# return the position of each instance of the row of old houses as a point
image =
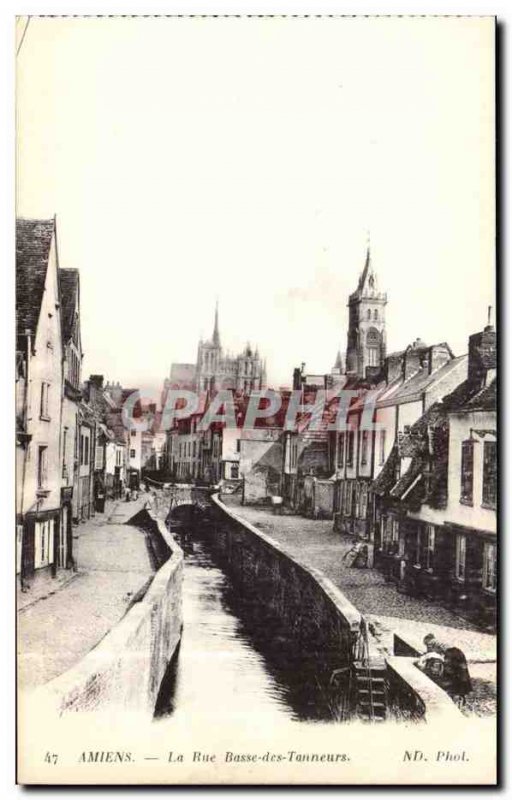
(73, 449)
(417, 487)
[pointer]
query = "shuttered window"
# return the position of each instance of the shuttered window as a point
(489, 475)
(431, 544)
(489, 567)
(382, 446)
(466, 469)
(42, 467)
(364, 447)
(341, 449)
(350, 449)
(45, 389)
(460, 557)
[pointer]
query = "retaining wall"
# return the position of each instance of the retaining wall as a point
(317, 616)
(321, 619)
(127, 667)
(411, 693)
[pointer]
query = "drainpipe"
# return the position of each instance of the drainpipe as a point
(62, 359)
(26, 401)
(59, 522)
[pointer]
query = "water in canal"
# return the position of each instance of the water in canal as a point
(229, 662)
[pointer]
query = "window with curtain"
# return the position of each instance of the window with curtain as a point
(489, 567)
(430, 548)
(489, 481)
(382, 454)
(350, 449)
(460, 558)
(42, 467)
(467, 472)
(364, 447)
(341, 449)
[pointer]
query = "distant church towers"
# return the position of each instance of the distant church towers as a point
(366, 338)
(216, 370)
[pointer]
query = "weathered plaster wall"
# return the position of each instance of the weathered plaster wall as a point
(261, 463)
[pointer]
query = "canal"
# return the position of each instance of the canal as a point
(233, 659)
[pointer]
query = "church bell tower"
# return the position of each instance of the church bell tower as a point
(366, 338)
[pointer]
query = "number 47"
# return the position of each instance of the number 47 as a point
(51, 758)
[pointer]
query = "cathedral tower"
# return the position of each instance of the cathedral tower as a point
(366, 338)
(209, 358)
(216, 369)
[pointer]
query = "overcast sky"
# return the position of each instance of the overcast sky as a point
(246, 159)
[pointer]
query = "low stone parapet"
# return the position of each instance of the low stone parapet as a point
(411, 693)
(126, 668)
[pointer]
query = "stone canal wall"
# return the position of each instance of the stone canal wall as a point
(411, 693)
(318, 618)
(126, 668)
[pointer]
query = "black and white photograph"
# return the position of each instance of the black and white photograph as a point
(256, 400)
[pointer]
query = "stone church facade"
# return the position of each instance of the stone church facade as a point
(215, 369)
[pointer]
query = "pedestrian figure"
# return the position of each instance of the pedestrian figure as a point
(454, 676)
(357, 555)
(432, 664)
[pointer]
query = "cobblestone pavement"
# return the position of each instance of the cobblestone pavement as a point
(58, 624)
(316, 544)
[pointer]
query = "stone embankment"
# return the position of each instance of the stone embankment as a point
(126, 668)
(318, 615)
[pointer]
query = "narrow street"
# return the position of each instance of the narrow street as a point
(315, 544)
(60, 620)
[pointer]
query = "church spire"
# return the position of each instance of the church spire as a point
(338, 364)
(216, 336)
(366, 335)
(368, 266)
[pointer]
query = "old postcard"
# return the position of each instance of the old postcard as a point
(256, 423)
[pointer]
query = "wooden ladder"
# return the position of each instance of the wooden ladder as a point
(369, 681)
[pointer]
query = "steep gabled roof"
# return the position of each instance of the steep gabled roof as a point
(33, 242)
(427, 446)
(386, 479)
(68, 288)
(413, 388)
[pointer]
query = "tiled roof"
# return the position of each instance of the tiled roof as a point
(469, 397)
(68, 287)
(407, 479)
(413, 388)
(387, 476)
(427, 447)
(426, 479)
(484, 400)
(33, 241)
